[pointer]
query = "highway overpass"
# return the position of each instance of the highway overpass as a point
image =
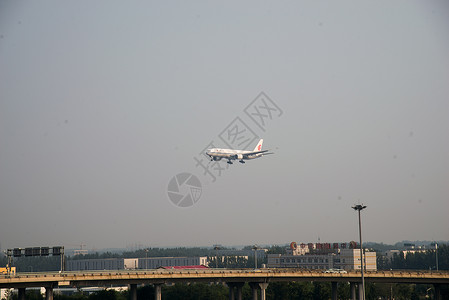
(234, 278)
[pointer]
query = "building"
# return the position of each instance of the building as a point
(389, 254)
(323, 257)
(95, 264)
(157, 262)
(261, 253)
(350, 260)
(133, 263)
(311, 261)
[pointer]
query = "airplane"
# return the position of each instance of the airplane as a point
(217, 154)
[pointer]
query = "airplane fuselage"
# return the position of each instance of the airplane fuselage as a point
(235, 154)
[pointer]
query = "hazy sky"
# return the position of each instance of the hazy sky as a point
(103, 102)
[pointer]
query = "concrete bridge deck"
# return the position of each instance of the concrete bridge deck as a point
(233, 277)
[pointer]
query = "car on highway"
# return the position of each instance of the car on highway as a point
(341, 271)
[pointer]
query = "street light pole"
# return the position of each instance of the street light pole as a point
(146, 258)
(436, 254)
(359, 208)
(216, 248)
(62, 259)
(255, 247)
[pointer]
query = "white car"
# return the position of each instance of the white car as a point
(341, 271)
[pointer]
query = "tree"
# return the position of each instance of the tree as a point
(30, 295)
(275, 249)
(200, 291)
(402, 291)
(76, 296)
(321, 290)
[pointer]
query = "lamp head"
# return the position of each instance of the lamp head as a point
(359, 207)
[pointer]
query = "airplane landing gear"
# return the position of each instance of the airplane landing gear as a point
(241, 161)
(229, 162)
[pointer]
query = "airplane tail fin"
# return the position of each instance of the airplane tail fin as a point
(259, 145)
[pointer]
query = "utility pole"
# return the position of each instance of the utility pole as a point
(146, 258)
(216, 248)
(62, 260)
(436, 254)
(255, 247)
(359, 208)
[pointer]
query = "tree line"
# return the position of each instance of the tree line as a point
(425, 260)
(274, 291)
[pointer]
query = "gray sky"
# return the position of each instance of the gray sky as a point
(103, 102)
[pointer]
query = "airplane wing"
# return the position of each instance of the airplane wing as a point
(255, 152)
(251, 153)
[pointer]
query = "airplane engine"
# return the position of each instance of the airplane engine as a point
(217, 158)
(239, 156)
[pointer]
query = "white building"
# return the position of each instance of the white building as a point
(131, 263)
(350, 260)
